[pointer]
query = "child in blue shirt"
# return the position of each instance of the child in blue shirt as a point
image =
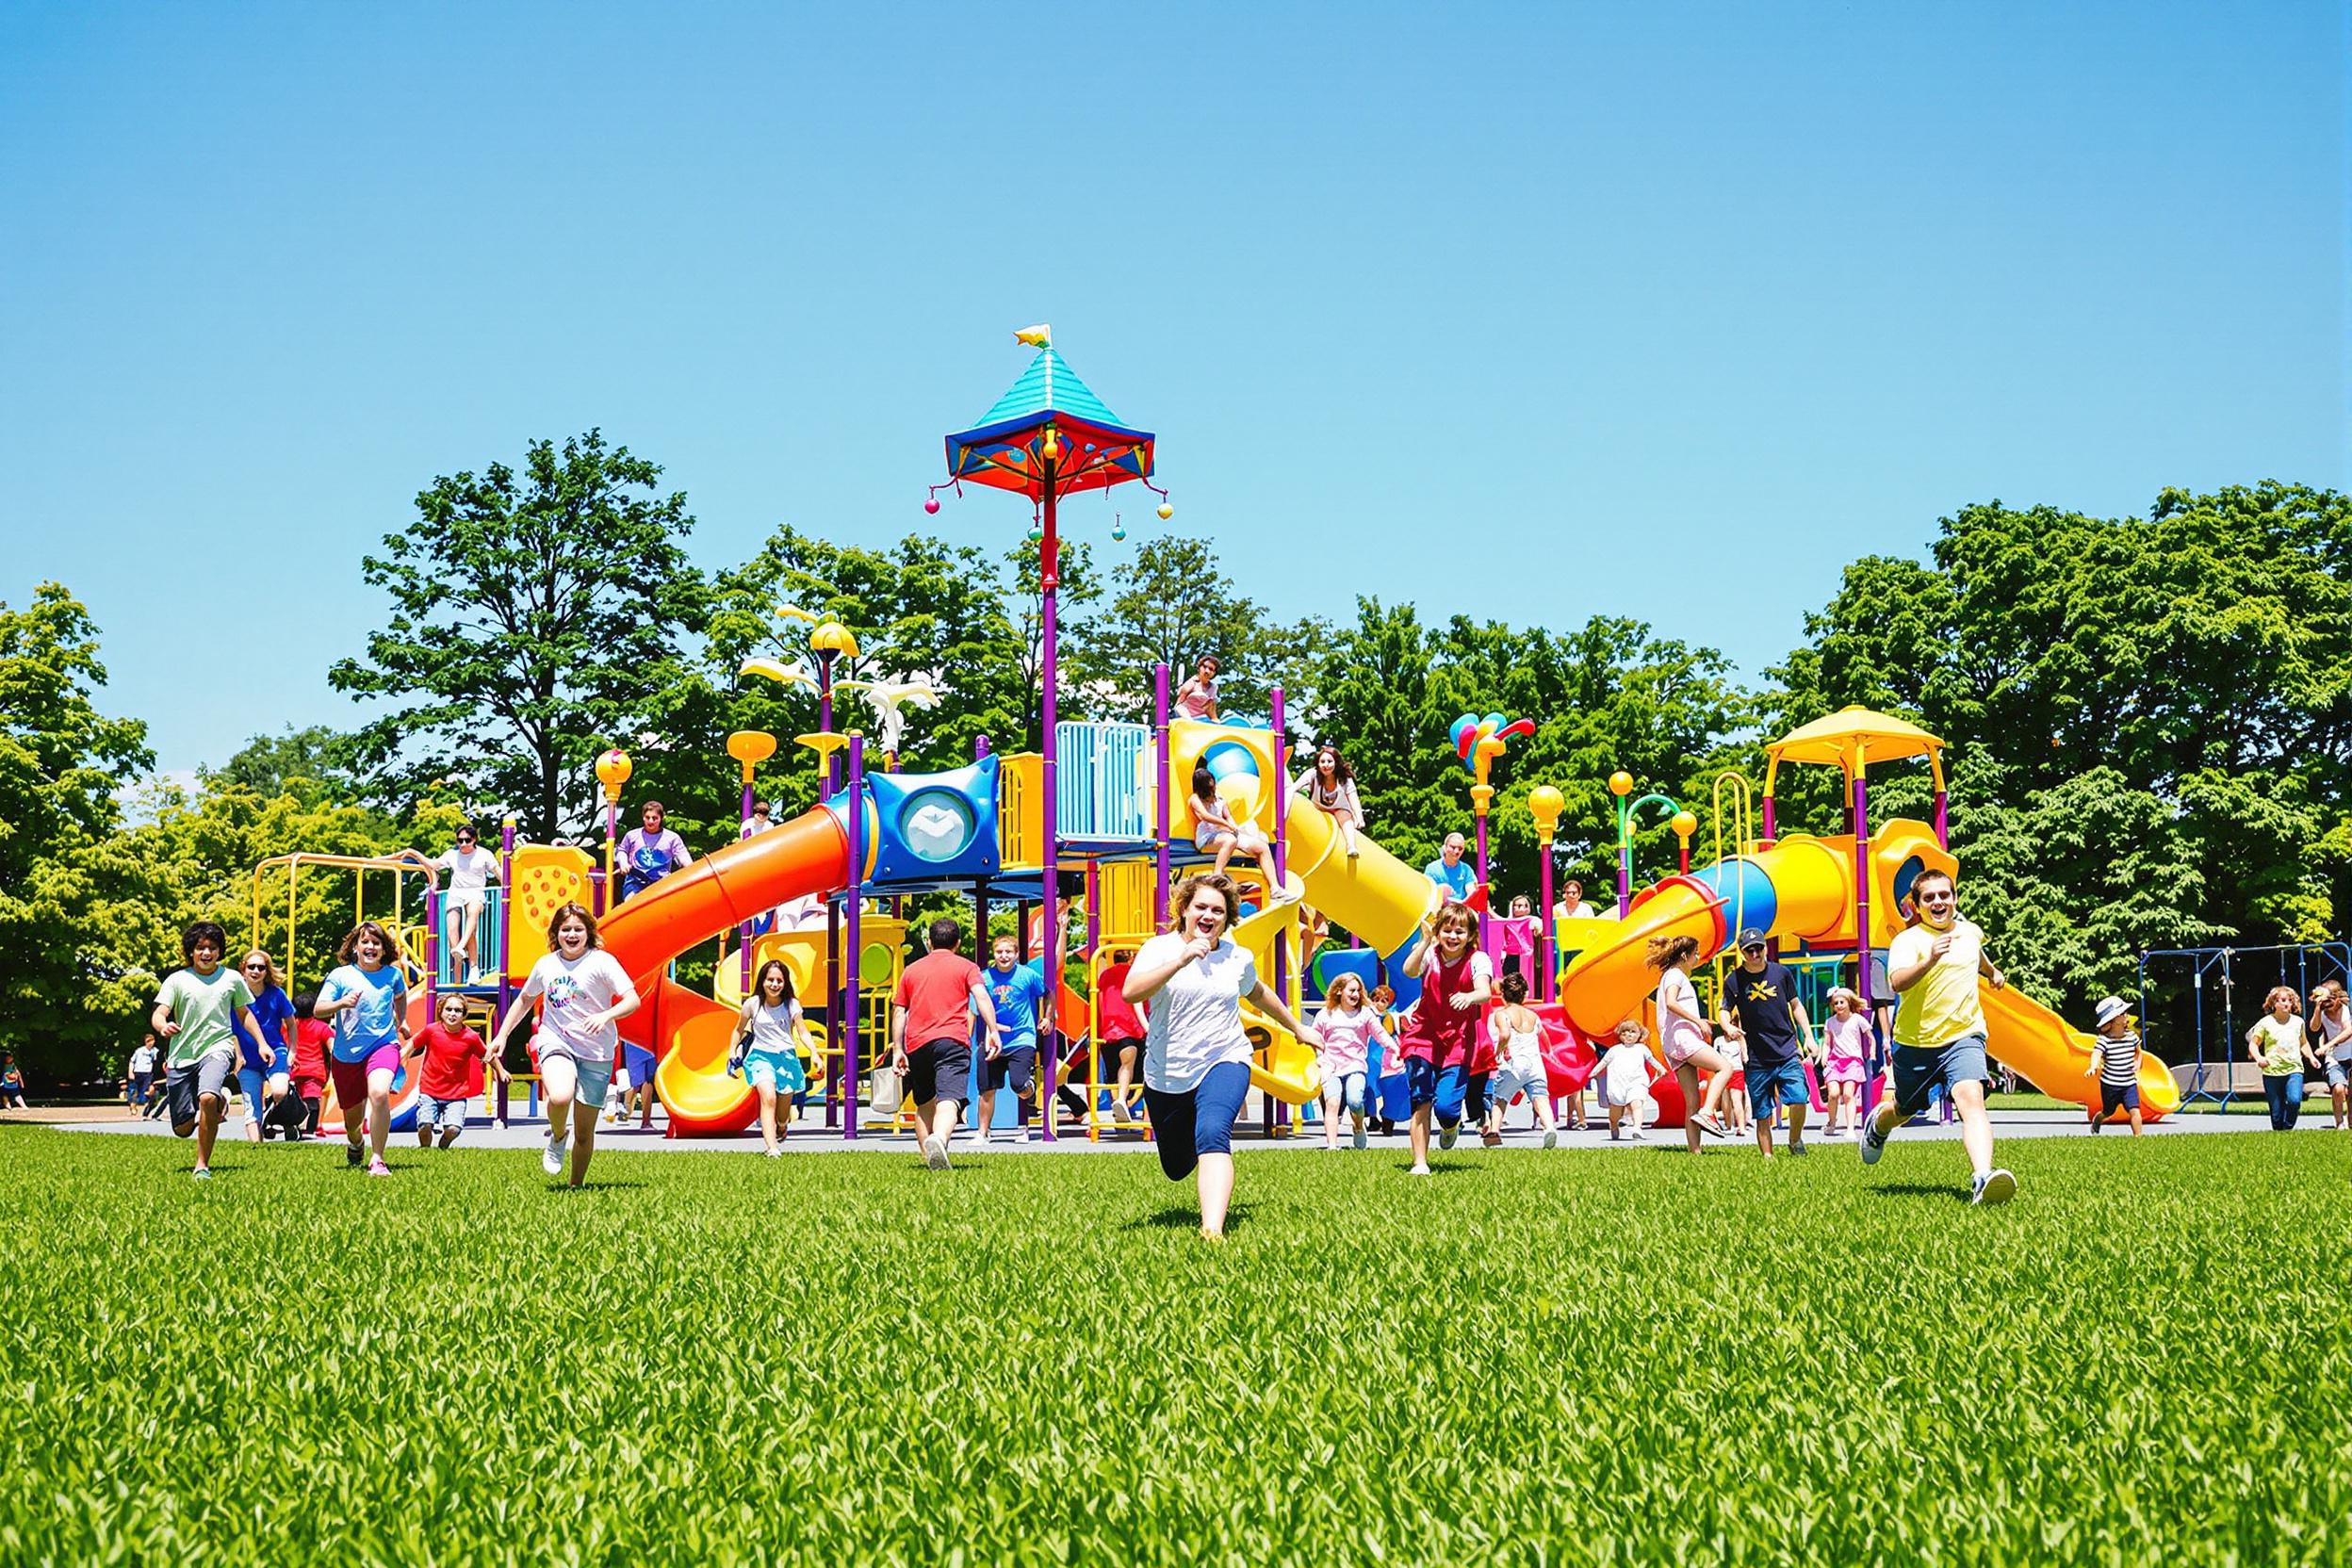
(1015, 989)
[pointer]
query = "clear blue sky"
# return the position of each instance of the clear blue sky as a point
(1531, 312)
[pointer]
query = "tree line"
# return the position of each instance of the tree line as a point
(2148, 716)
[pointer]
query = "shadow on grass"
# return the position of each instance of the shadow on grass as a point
(1187, 1216)
(597, 1184)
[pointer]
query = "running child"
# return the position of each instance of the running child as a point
(2331, 1026)
(263, 1057)
(1762, 1012)
(1214, 830)
(198, 1011)
(1940, 1029)
(143, 1071)
(1350, 1028)
(2116, 1058)
(1687, 1040)
(1519, 1063)
(1624, 1074)
(585, 993)
(1441, 1043)
(931, 1014)
(765, 1051)
(2279, 1044)
(296, 1113)
(1015, 989)
(1846, 1053)
(1392, 1058)
(366, 999)
(454, 1057)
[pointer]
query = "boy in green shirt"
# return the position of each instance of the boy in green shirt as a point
(197, 1011)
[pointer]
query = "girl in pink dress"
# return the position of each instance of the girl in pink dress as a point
(1850, 1040)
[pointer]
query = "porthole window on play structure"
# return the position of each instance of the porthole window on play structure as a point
(1905, 875)
(936, 825)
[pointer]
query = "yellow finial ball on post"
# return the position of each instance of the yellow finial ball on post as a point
(1546, 804)
(612, 771)
(1621, 783)
(1684, 825)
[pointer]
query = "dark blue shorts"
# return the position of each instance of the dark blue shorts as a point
(940, 1069)
(2117, 1097)
(1441, 1089)
(1199, 1121)
(1017, 1067)
(1922, 1067)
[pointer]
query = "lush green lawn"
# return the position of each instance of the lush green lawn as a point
(1587, 1357)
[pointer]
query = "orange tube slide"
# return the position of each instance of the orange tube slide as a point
(809, 854)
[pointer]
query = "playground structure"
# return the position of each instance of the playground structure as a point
(1101, 811)
(2199, 1000)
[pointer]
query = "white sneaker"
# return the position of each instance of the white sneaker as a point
(934, 1154)
(1880, 1126)
(559, 1149)
(1418, 1170)
(1551, 1138)
(1639, 1136)
(777, 1152)
(1447, 1135)
(1994, 1186)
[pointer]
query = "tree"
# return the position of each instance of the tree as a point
(536, 619)
(2186, 677)
(1172, 605)
(61, 762)
(314, 759)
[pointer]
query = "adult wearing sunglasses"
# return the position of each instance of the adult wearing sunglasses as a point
(473, 870)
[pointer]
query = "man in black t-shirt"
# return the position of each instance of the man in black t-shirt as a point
(1761, 1007)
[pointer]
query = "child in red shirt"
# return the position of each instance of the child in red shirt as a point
(454, 1056)
(295, 1114)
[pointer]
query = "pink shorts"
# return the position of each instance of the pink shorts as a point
(1845, 1070)
(351, 1078)
(1681, 1043)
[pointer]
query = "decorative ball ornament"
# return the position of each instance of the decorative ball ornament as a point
(1621, 783)
(931, 505)
(1118, 531)
(1051, 447)
(1037, 533)
(1684, 824)
(1166, 512)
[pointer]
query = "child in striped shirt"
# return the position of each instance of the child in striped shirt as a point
(2116, 1057)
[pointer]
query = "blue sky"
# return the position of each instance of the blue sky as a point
(1530, 312)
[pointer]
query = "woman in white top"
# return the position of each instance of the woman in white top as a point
(2331, 1037)
(764, 1051)
(1329, 784)
(586, 993)
(1196, 1057)
(1687, 1040)
(472, 871)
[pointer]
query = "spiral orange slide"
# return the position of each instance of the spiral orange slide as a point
(807, 856)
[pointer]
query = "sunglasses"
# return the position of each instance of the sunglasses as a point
(257, 968)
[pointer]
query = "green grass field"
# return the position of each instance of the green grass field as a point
(1595, 1356)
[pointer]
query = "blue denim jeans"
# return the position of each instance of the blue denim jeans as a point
(2284, 1091)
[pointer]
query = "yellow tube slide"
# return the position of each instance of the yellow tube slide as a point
(2055, 1056)
(1374, 895)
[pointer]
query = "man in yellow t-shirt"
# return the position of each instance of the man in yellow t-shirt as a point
(1939, 1030)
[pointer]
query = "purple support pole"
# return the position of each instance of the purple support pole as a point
(1943, 833)
(1159, 797)
(1860, 812)
(1050, 924)
(849, 968)
(1770, 834)
(607, 895)
(1486, 916)
(742, 932)
(1545, 978)
(506, 986)
(825, 720)
(833, 1007)
(1280, 875)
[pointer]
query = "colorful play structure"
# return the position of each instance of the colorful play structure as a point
(1101, 811)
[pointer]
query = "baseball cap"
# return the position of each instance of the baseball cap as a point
(1750, 938)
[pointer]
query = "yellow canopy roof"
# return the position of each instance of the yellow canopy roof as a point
(1852, 739)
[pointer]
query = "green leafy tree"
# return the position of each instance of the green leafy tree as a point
(1170, 604)
(314, 759)
(536, 619)
(63, 991)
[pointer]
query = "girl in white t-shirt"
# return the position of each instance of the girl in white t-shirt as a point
(1214, 830)
(765, 1051)
(2331, 1027)
(1195, 1054)
(1518, 1037)
(584, 994)
(473, 870)
(1687, 1040)
(1330, 785)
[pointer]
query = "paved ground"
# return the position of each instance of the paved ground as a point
(810, 1137)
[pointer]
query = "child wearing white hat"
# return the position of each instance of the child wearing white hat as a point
(2116, 1057)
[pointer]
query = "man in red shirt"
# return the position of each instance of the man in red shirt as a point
(931, 1014)
(453, 1058)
